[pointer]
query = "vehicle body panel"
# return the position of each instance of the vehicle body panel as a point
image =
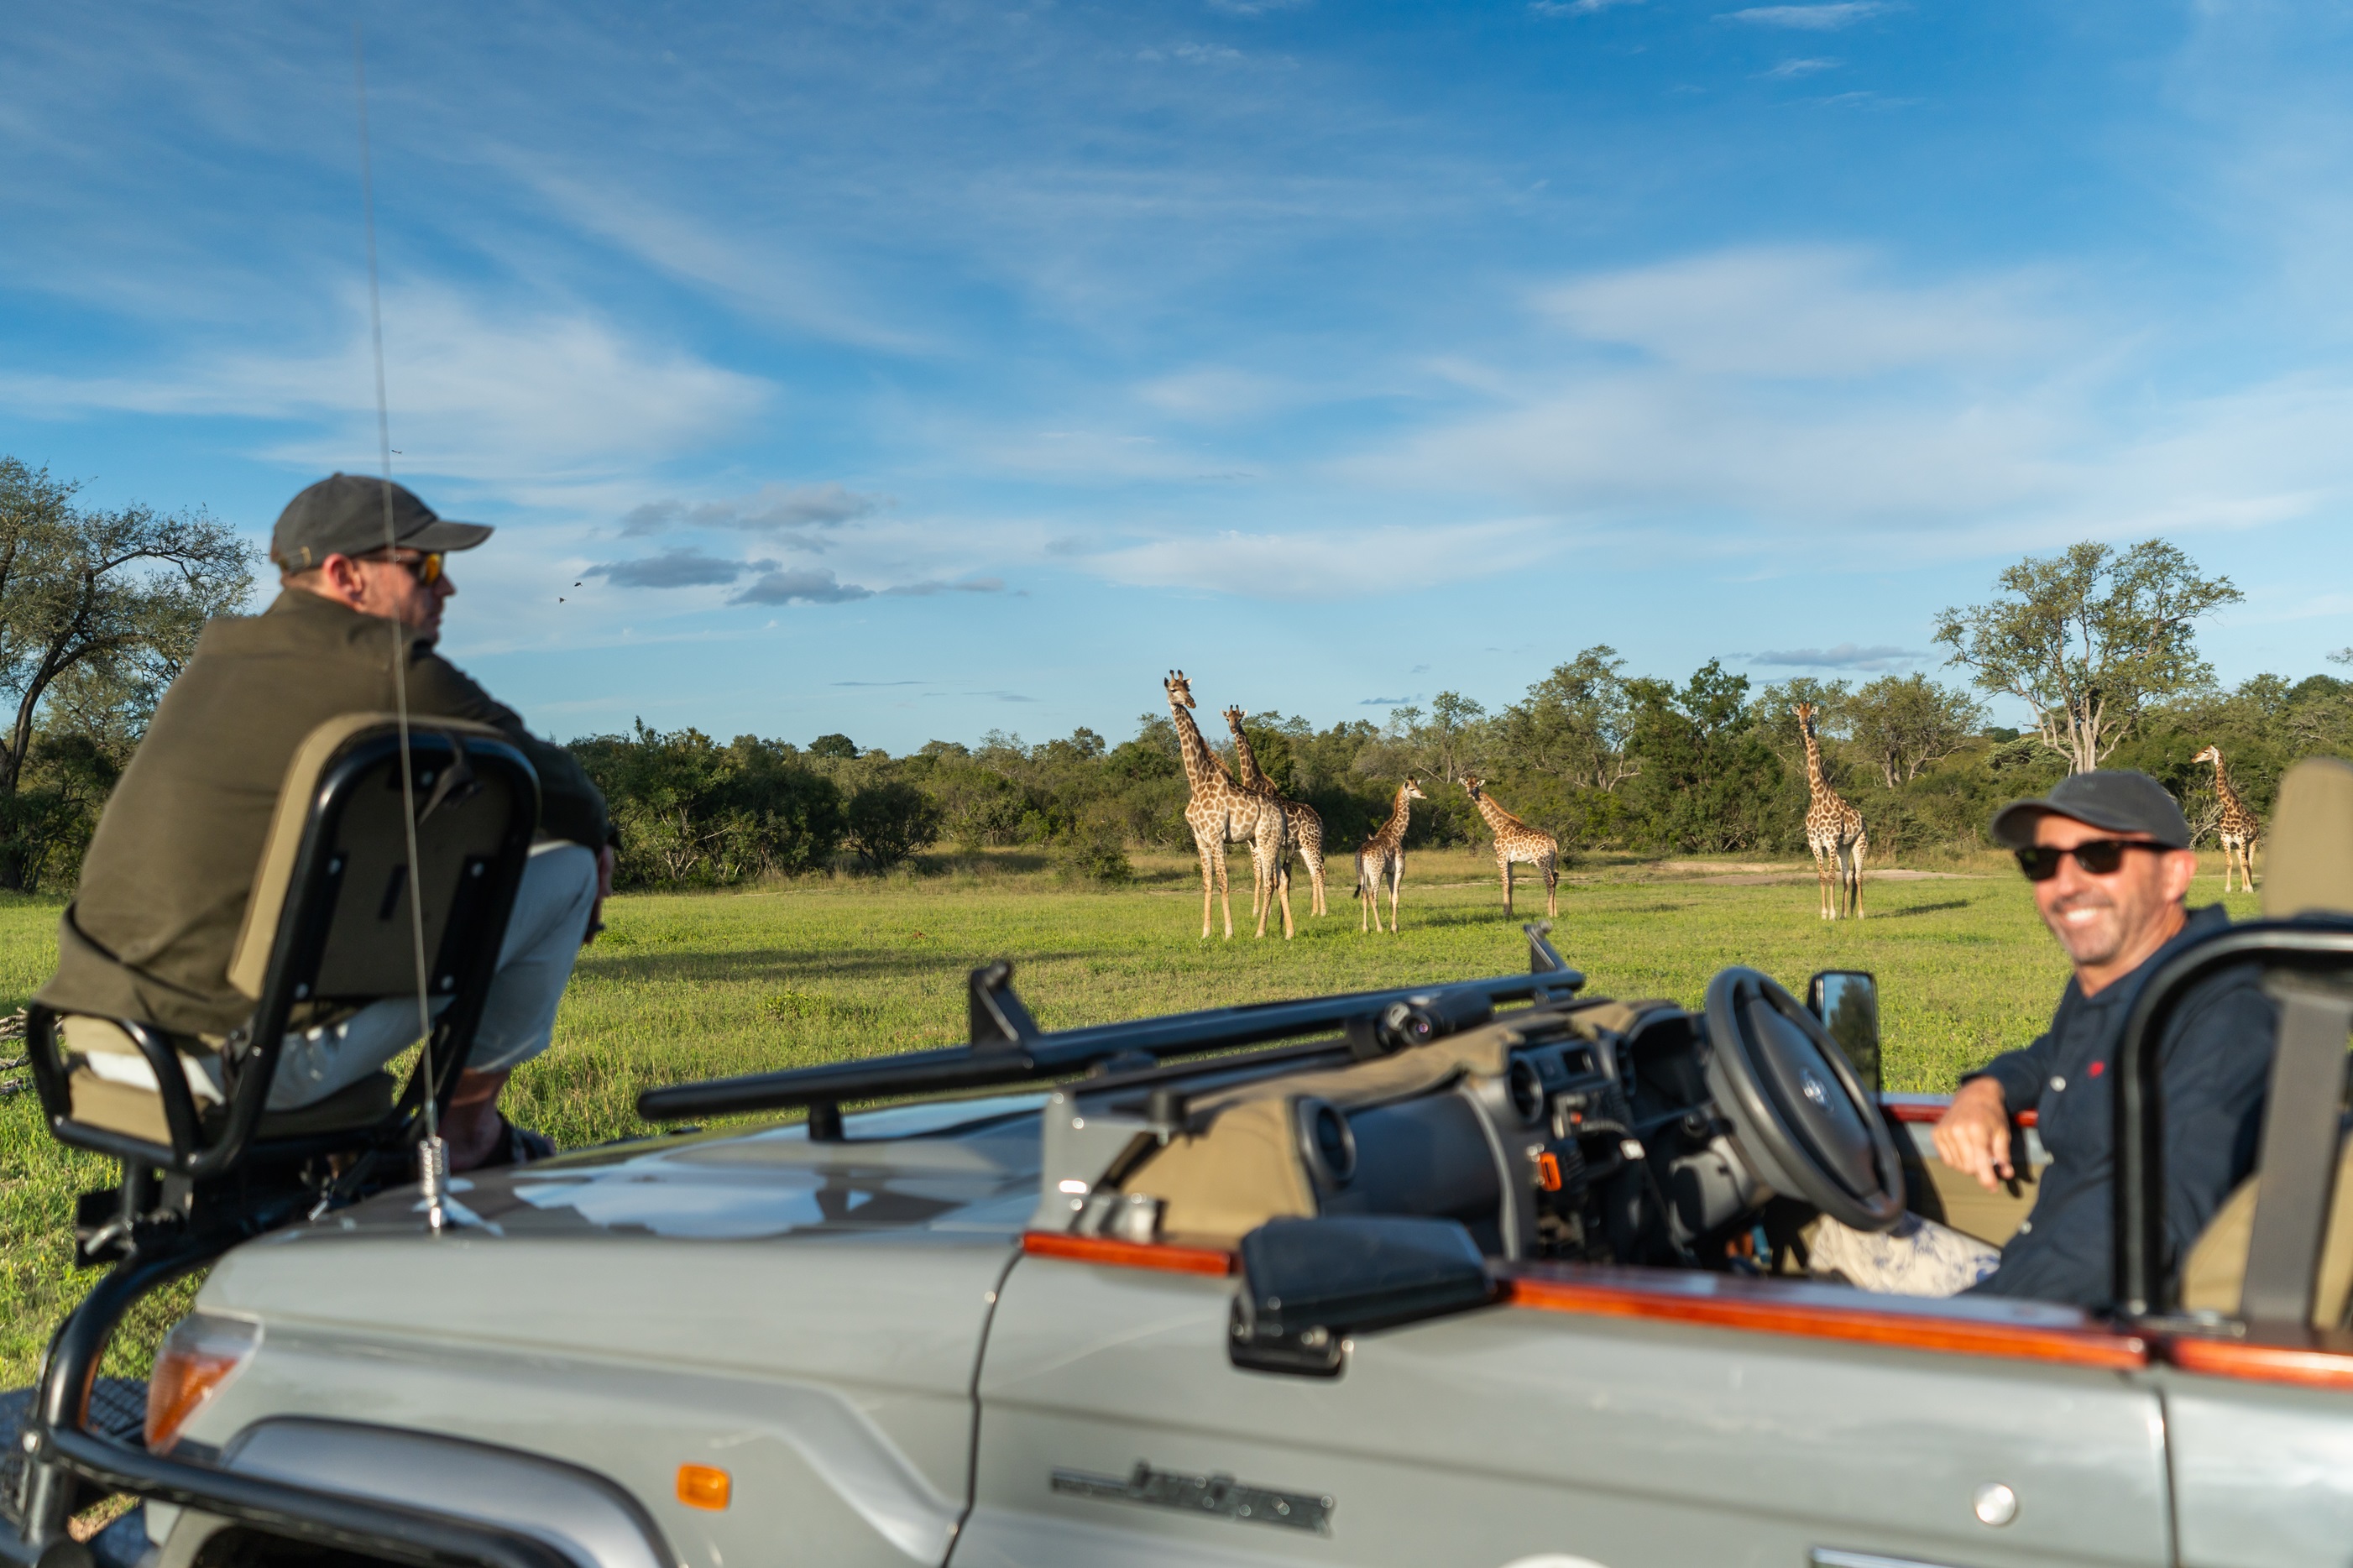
(2263, 1475)
(1502, 1434)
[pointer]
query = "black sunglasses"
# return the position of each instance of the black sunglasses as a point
(2100, 857)
(425, 568)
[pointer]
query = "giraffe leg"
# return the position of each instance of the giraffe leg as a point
(1822, 879)
(1396, 880)
(1552, 888)
(2247, 854)
(1208, 885)
(1857, 875)
(1226, 892)
(1283, 891)
(1505, 861)
(2229, 864)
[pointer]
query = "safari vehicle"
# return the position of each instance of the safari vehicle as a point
(1486, 1272)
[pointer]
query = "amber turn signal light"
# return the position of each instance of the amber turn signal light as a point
(200, 1355)
(703, 1486)
(1549, 1171)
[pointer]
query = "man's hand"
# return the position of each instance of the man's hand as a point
(1974, 1135)
(604, 890)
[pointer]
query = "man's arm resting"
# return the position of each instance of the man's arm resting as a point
(1974, 1134)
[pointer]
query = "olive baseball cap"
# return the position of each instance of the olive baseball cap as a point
(2117, 799)
(343, 514)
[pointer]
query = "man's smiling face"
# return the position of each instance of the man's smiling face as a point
(2111, 922)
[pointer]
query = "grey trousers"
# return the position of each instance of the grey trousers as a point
(543, 942)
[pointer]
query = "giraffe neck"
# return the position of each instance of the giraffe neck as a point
(1814, 779)
(1400, 811)
(2223, 782)
(1246, 762)
(1201, 768)
(1498, 819)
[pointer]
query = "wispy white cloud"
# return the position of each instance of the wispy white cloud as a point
(1575, 7)
(479, 389)
(1811, 19)
(1846, 656)
(1802, 313)
(1355, 562)
(1802, 68)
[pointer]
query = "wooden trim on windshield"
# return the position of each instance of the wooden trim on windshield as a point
(1166, 1256)
(2321, 1359)
(1989, 1328)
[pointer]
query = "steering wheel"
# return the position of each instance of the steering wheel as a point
(1801, 1118)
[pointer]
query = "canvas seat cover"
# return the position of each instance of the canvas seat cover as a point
(2310, 870)
(112, 1085)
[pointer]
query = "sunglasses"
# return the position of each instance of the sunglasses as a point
(2099, 857)
(426, 569)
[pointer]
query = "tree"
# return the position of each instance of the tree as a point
(889, 821)
(1903, 724)
(1445, 741)
(107, 604)
(1573, 724)
(2087, 637)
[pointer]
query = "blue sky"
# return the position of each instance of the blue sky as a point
(913, 371)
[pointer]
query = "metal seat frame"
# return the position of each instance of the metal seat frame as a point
(221, 1180)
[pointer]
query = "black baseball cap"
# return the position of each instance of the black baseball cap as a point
(343, 514)
(2117, 799)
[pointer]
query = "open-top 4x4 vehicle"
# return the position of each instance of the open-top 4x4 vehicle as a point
(1482, 1272)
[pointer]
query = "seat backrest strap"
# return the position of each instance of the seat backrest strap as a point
(2298, 1162)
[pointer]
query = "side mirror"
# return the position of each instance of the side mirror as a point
(1847, 1002)
(1307, 1284)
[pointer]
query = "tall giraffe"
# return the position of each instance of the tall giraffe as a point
(2238, 829)
(1382, 857)
(1515, 841)
(1833, 830)
(1306, 826)
(1222, 812)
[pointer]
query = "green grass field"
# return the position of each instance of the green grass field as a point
(692, 986)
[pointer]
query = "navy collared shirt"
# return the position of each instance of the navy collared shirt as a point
(2213, 1063)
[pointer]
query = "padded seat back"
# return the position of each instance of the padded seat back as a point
(2308, 871)
(328, 927)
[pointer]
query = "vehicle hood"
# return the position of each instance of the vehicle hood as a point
(968, 1166)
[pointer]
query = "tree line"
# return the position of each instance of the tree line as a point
(2095, 645)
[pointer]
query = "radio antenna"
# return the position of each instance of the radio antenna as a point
(432, 1154)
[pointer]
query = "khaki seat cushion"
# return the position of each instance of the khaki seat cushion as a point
(139, 1112)
(2217, 1268)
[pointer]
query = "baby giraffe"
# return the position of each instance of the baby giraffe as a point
(1515, 841)
(1383, 857)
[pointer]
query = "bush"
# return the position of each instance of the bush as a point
(1095, 851)
(889, 821)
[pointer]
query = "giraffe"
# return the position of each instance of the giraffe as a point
(1515, 841)
(1833, 830)
(1306, 827)
(1222, 812)
(2238, 829)
(1383, 857)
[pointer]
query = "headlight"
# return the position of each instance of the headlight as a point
(200, 1355)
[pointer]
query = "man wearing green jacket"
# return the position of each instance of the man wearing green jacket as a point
(164, 884)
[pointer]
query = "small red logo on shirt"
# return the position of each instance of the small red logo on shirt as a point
(2099, 1068)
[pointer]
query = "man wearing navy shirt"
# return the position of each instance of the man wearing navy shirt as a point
(2107, 854)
